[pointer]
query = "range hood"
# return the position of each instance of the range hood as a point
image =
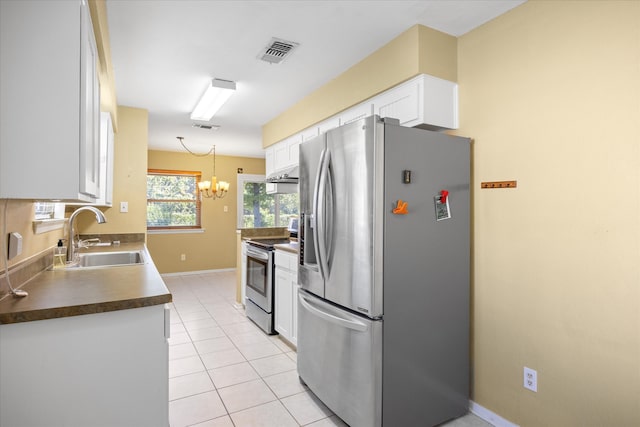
(284, 176)
(280, 188)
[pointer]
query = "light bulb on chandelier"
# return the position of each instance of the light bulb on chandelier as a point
(213, 189)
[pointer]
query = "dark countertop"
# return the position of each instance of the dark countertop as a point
(73, 292)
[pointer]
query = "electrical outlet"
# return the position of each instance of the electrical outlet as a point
(226, 208)
(531, 379)
(183, 257)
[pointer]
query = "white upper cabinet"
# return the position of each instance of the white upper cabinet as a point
(328, 124)
(310, 133)
(422, 101)
(356, 112)
(401, 102)
(89, 109)
(106, 161)
(282, 159)
(293, 150)
(269, 160)
(283, 155)
(49, 103)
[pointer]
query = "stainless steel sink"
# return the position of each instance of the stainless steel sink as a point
(109, 259)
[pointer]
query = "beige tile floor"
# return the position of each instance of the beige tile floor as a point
(224, 371)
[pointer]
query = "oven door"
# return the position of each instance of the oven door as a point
(260, 277)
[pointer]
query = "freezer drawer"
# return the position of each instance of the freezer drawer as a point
(340, 360)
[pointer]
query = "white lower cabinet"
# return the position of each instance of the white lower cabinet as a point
(294, 310)
(103, 369)
(286, 295)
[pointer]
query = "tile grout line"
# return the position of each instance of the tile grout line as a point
(228, 336)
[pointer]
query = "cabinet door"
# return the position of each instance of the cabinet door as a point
(309, 133)
(89, 108)
(440, 99)
(328, 124)
(293, 148)
(281, 154)
(48, 36)
(401, 102)
(243, 273)
(294, 309)
(106, 161)
(358, 112)
(269, 157)
(283, 302)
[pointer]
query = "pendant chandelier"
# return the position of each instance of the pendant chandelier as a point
(213, 189)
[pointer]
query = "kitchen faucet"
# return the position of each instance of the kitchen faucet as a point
(71, 250)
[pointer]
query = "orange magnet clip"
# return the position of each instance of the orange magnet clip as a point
(443, 196)
(401, 208)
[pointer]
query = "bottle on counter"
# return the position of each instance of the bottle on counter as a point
(59, 255)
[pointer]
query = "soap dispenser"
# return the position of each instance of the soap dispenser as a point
(59, 255)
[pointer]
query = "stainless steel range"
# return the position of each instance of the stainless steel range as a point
(260, 278)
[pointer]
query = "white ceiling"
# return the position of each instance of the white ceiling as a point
(165, 52)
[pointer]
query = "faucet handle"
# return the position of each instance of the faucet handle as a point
(87, 242)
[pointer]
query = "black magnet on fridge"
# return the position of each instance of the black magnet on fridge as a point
(406, 176)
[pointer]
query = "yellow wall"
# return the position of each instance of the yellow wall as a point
(130, 178)
(20, 214)
(550, 92)
(216, 247)
(417, 50)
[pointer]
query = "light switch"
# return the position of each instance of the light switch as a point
(124, 207)
(226, 208)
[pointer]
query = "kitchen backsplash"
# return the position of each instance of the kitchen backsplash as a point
(264, 232)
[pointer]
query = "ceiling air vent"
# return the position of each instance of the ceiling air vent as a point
(206, 127)
(277, 51)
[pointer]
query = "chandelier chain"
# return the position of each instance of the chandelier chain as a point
(212, 150)
(209, 189)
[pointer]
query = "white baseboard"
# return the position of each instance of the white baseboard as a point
(188, 273)
(490, 417)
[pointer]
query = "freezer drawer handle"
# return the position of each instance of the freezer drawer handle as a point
(347, 323)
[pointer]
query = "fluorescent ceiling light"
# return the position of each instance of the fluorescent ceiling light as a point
(214, 97)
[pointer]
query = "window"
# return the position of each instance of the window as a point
(47, 210)
(47, 216)
(173, 202)
(258, 209)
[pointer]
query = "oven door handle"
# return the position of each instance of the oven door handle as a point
(257, 254)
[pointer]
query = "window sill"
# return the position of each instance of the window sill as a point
(45, 225)
(190, 231)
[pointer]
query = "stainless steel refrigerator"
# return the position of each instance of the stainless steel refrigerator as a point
(383, 309)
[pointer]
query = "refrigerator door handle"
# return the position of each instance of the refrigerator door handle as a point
(315, 220)
(339, 320)
(321, 212)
